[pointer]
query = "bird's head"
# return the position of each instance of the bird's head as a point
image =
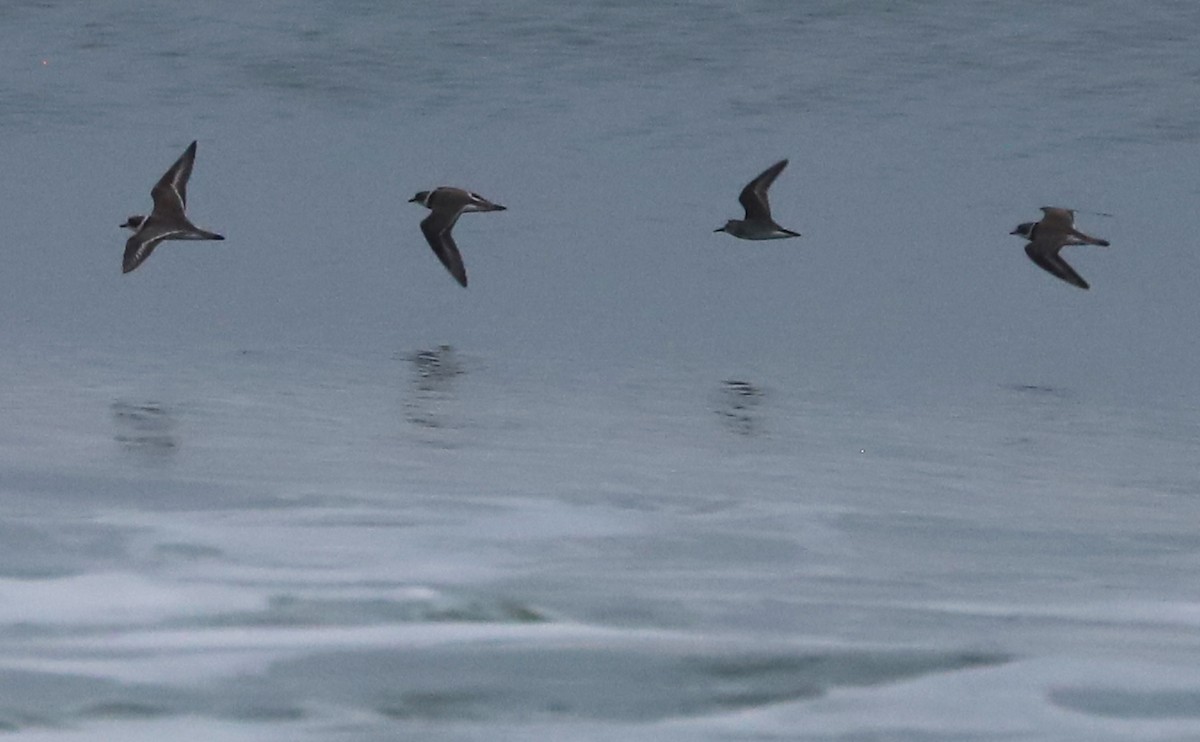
(1024, 230)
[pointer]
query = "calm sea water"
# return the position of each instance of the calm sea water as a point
(641, 481)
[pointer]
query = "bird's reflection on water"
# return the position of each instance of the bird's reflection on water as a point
(738, 405)
(1039, 390)
(144, 429)
(434, 374)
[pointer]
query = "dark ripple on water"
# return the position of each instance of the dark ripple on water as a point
(290, 610)
(1120, 703)
(493, 682)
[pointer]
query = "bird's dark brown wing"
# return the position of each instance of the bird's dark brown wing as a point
(753, 197)
(170, 192)
(1050, 261)
(436, 228)
(139, 246)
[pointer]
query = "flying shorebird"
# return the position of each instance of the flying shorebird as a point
(446, 204)
(758, 224)
(167, 220)
(1046, 238)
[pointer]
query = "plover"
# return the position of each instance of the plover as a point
(1046, 238)
(758, 224)
(167, 220)
(446, 205)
